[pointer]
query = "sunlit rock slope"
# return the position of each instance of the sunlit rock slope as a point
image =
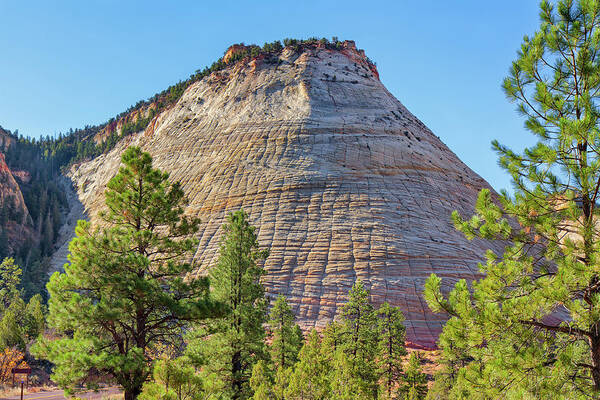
(342, 180)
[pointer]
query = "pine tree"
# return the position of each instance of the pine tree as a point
(128, 286)
(333, 336)
(282, 382)
(359, 338)
(227, 348)
(414, 381)
(310, 377)
(345, 382)
(20, 322)
(173, 380)
(451, 361)
(285, 339)
(391, 346)
(531, 326)
(10, 279)
(35, 321)
(12, 332)
(261, 381)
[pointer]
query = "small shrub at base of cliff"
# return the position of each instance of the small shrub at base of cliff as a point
(173, 380)
(414, 381)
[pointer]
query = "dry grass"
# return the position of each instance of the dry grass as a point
(113, 397)
(12, 391)
(9, 391)
(44, 388)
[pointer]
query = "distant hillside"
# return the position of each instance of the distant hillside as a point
(31, 208)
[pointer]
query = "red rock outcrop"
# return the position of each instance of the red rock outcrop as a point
(343, 182)
(232, 51)
(23, 176)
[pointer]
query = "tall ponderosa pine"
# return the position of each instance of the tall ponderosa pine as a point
(127, 287)
(230, 346)
(286, 336)
(391, 347)
(413, 385)
(531, 327)
(286, 341)
(310, 378)
(359, 339)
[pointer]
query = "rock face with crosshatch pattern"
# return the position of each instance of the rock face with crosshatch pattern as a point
(343, 182)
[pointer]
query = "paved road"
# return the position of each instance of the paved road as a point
(59, 395)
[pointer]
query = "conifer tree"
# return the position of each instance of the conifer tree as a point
(228, 348)
(359, 339)
(20, 322)
(173, 380)
(12, 332)
(531, 327)
(35, 321)
(333, 336)
(346, 383)
(391, 347)
(261, 381)
(127, 286)
(414, 381)
(310, 378)
(453, 358)
(10, 279)
(286, 339)
(281, 382)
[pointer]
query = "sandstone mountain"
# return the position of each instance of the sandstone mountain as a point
(343, 182)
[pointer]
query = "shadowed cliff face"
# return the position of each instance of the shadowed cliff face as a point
(14, 216)
(343, 182)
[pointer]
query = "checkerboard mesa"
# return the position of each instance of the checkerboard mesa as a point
(342, 181)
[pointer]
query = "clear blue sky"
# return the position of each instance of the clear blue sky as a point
(70, 63)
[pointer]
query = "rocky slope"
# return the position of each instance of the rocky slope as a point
(75, 212)
(15, 224)
(342, 180)
(11, 198)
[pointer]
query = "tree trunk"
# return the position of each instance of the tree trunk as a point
(236, 380)
(595, 353)
(132, 393)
